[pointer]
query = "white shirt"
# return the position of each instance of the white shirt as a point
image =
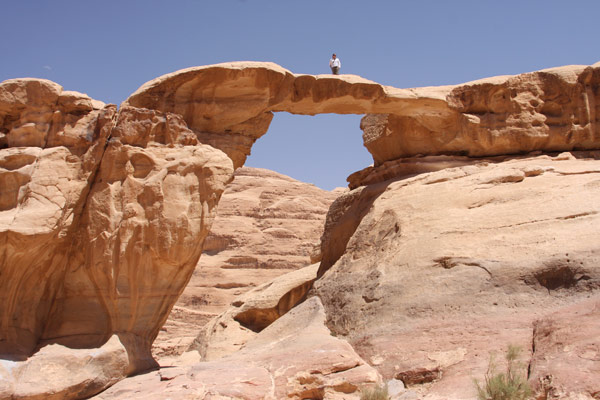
(335, 63)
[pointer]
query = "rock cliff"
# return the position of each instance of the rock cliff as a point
(267, 224)
(102, 221)
(446, 268)
(457, 241)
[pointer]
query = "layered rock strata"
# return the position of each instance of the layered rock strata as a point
(231, 105)
(267, 225)
(429, 275)
(102, 221)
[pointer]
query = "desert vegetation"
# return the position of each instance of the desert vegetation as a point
(508, 385)
(375, 393)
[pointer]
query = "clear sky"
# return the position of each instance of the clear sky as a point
(109, 48)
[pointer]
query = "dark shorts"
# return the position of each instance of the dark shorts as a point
(335, 70)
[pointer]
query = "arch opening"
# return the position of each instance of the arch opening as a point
(322, 149)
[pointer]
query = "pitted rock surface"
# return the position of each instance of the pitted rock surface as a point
(446, 268)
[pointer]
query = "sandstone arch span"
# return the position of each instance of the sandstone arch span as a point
(230, 105)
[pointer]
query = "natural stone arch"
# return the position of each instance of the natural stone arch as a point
(230, 105)
(118, 164)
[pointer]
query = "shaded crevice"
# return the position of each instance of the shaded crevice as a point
(257, 319)
(343, 218)
(559, 274)
(451, 262)
(530, 363)
(563, 277)
(79, 211)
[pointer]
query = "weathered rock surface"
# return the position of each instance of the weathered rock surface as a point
(58, 372)
(296, 357)
(267, 224)
(550, 110)
(230, 105)
(43, 190)
(103, 215)
(566, 352)
(252, 312)
(102, 219)
(445, 267)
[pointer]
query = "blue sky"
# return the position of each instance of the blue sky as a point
(108, 48)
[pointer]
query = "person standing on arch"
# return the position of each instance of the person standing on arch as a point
(335, 64)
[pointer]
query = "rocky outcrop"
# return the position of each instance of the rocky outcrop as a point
(53, 146)
(267, 225)
(103, 214)
(445, 268)
(102, 220)
(551, 110)
(323, 367)
(252, 312)
(57, 372)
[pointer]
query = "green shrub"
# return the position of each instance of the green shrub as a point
(509, 385)
(376, 393)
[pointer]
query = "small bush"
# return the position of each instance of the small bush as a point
(509, 385)
(376, 393)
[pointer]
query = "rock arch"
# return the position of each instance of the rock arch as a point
(230, 106)
(103, 212)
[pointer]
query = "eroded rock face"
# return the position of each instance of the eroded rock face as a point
(100, 212)
(267, 225)
(323, 367)
(103, 215)
(550, 110)
(446, 267)
(54, 143)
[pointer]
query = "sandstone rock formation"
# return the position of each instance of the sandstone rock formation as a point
(267, 224)
(103, 214)
(102, 219)
(252, 312)
(550, 110)
(446, 267)
(323, 367)
(53, 145)
(57, 372)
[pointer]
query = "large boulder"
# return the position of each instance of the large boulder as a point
(56, 372)
(296, 358)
